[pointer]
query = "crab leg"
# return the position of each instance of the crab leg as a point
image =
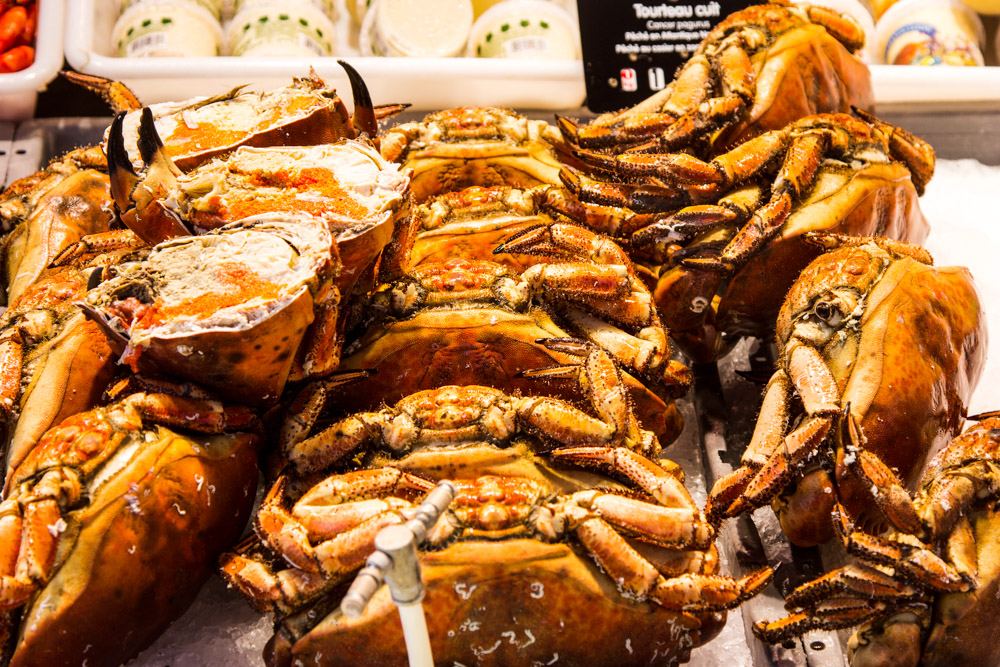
(648, 197)
(768, 436)
(308, 404)
(195, 414)
(638, 578)
(915, 561)
(116, 94)
(11, 363)
(608, 395)
(890, 496)
(267, 590)
(664, 484)
(29, 530)
(644, 353)
(328, 515)
(339, 440)
(828, 615)
(322, 351)
(854, 581)
(670, 527)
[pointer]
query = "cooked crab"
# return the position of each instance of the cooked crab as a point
(100, 521)
(237, 309)
(873, 330)
(347, 184)
(926, 598)
(759, 69)
(306, 113)
(500, 448)
(866, 191)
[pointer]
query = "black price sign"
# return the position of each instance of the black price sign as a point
(633, 49)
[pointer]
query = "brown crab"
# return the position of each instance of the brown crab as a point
(472, 321)
(114, 518)
(927, 598)
(54, 362)
(237, 310)
(759, 69)
(873, 329)
(46, 212)
(456, 148)
(500, 449)
(721, 269)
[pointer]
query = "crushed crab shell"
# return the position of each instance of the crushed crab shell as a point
(230, 308)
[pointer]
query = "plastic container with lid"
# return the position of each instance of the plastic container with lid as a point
(429, 28)
(861, 12)
(525, 29)
(291, 28)
(166, 28)
(930, 32)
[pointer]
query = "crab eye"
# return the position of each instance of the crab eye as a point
(828, 313)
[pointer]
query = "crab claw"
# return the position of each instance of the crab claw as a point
(140, 207)
(117, 95)
(364, 111)
(123, 176)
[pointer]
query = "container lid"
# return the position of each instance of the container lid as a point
(431, 28)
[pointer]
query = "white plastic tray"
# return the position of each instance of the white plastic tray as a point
(435, 83)
(426, 83)
(19, 90)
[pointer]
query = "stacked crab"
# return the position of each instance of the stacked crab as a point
(492, 300)
(728, 196)
(521, 356)
(135, 376)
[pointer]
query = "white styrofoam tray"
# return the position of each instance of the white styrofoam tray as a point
(426, 83)
(19, 90)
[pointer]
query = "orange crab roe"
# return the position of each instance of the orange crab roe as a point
(325, 196)
(235, 284)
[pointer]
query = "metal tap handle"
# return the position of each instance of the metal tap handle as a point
(395, 558)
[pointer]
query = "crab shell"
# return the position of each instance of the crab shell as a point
(222, 334)
(457, 148)
(56, 208)
(132, 560)
(477, 345)
(529, 598)
(805, 71)
(877, 200)
(907, 376)
(348, 185)
(194, 131)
